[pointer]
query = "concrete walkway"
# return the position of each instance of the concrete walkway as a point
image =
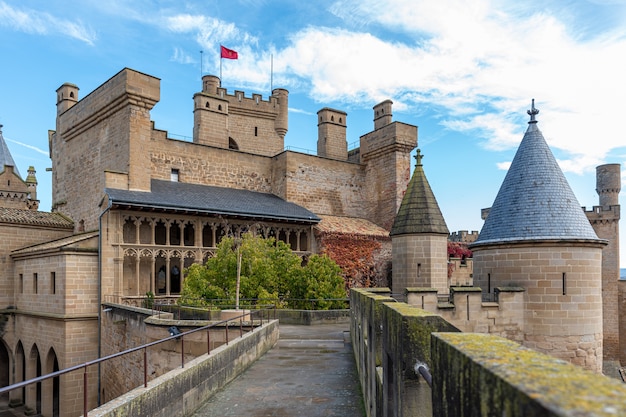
(310, 372)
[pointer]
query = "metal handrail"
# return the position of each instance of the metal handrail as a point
(144, 347)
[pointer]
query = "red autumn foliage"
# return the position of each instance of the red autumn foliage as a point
(458, 250)
(355, 255)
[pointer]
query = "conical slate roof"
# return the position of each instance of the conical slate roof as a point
(5, 156)
(535, 201)
(419, 211)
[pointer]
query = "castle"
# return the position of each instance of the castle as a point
(129, 202)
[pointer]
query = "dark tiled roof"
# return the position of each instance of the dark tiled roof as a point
(171, 195)
(34, 217)
(419, 211)
(535, 201)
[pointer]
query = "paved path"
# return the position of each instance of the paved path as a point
(310, 372)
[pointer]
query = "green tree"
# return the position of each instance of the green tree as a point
(269, 270)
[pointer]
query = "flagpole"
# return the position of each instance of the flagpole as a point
(271, 73)
(201, 63)
(221, 59)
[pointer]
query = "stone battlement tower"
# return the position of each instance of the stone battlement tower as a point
(331, 134)
(233, 121)
(605, 221)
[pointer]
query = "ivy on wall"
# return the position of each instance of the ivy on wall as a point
(357, 256)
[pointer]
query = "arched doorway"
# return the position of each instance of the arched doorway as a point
(4, 371)
(17, 396)
(51, 387)
(33, 391)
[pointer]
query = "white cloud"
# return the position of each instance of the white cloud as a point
(180, 56)
(40, 23)
(477, 63)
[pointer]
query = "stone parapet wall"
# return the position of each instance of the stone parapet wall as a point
(390, 341)
(182, 390)
(503, 378)
(125, 327)
(466, 310)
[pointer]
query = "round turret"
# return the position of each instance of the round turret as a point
(282, 119)
(67, 96)
(608, 184)
(210, 84)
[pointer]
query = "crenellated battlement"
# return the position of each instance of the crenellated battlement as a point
(602, 213)
(465, 309)
(234, 121)
(463, 236)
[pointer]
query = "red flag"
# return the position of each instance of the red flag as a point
(228, 53)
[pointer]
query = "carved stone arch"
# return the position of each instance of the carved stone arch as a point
(33, 370)
(206, 254)
(131, 252)
(19, 365)
(146, 253)
(51, 387)
(129, 229)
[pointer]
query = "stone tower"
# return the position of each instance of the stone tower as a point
(605, 221)
(67, 96)
(419, 238)
(331, 134)
(537, 237)
(233, 121)
(386, 153)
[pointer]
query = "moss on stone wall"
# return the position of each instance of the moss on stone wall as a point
(479, 374)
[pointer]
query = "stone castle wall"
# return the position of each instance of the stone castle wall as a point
(14, 236)
(70, 341)
(109, 131)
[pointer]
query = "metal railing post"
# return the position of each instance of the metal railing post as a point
(85, 407)
(182, 352)
(145, 368)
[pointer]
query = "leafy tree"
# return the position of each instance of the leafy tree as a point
(269, 269)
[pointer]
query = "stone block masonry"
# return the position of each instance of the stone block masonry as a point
(179, 392)
(479, 375)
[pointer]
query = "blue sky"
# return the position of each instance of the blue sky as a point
(463, 72)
